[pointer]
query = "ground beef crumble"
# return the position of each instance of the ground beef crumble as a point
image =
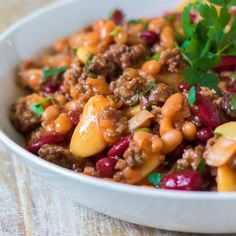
(115, 59)
(134, 156)
(113, 124)
(173, 60)
(58, 155)
(23, 118)
(191, 158)
(129, 85)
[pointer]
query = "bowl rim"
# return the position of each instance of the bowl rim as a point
(120, 187)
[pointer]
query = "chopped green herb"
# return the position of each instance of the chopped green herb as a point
(150, 87)
(139, 21)
(233, 101)
(155, 179)
(37, 108)
(92, 75)
(206, 41)
(171, 18)
(51, 72)
(115, 32)
(90, 57)
(134, 100)
(144, 130)
(192, 96)
(201, 166)
(149, 108)
(234, 76)
(73, 51)
(156, 57)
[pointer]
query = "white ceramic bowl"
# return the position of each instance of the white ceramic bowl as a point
(201, 212)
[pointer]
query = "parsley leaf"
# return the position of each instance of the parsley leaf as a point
(192, 96)
(201, 166)
(90, 57)
(144, 130)
(150, 87)
(155, 179)
(37, 108)
(139, 21)
(233, 101)
(115, 32)
(195, 76)
(156, 57)
(51, 72)
(188, 27)
(234, 76)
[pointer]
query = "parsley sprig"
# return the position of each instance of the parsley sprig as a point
(207, 41)
(50, 72)
(37, 107)
(155, 179)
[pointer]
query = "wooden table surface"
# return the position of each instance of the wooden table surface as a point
(29, 205)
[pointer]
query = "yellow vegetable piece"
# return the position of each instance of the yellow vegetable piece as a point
(132, 111)
(221, 151)
(226, 179)
(98, 85)
(133, 176)
(171, 79)
(227, 130)
(141, 120)
(87, 139)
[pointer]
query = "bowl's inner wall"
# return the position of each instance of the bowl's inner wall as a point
(36, 33)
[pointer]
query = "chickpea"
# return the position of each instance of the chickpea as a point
(50, 113)
(61, 99)
(50, 127)
(73, 106)
(172, 139)
(157, 24)
(63, 124)
(91, 39)
(130, 72)
(83, 53)
(99, 86)
(167, 37)
(166, 125)
(74, 92)
(105, 31)
(121, 37)
(33, 78)
(98, 25)
(152, 67)
(60, 45)
(173, 105)
(189, 130)
(148, 142)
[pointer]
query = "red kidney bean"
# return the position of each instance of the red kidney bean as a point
(150, 37)
(117, 16)
(45, 139)
(230, 91)
(74, 117)
(50, 88)
(207, 112)
(120, 147)
(177, 153)
(106, 167)
(204, 134)
(227, 63)
(184, 180)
